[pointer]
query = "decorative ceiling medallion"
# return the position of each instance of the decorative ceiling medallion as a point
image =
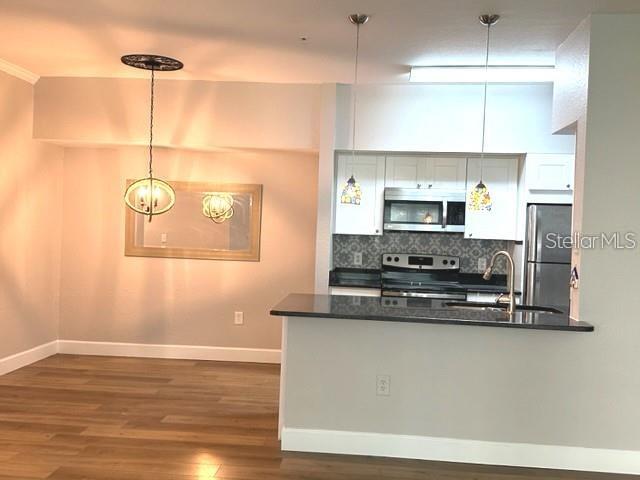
(146, 61)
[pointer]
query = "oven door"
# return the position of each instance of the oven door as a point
(425, 294)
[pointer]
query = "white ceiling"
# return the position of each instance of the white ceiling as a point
(259, 40)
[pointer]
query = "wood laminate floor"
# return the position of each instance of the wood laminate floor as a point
(74, 417)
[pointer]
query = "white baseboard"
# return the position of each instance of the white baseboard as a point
(462, 451)
(22, 359)
(186, 352)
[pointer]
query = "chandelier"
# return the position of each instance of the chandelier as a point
(151, 196)
(218, 206)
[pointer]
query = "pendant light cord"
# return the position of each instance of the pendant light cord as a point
(153, 81)
(484, 106)
(355, 97)
(151, 199)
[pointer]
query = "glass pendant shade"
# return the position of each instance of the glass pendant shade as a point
(218, 206)
(351, 193)
(479, 198)
(150, 196)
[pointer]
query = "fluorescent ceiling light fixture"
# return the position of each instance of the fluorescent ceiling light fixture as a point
(476, 74)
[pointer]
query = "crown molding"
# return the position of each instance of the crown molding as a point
(18, 72)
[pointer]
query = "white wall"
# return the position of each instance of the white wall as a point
(188, 114)
(326, 167)
(611, 169)
(448, 118)
(108, 297)
(30, 219)
(572, 74)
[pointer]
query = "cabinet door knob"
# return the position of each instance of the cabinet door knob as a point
(419, 185)
(377, 231)
(470, 235)
(568, 185)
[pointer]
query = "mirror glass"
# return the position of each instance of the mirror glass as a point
(209, 221)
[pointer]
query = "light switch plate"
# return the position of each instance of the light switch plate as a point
(238, 318)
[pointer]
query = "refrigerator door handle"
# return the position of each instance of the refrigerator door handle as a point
(531, 284)
(532, 234)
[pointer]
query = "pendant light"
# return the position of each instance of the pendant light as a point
(151, 196)
(351, 193)
(480, 198)
(217, 206)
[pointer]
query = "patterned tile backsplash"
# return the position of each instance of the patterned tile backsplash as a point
(373, 246)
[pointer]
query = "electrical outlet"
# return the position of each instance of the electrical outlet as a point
(357, 258)
(383, 385)
(482, 264)
(238, 318)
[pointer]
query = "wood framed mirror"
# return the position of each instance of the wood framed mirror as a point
(208, 221)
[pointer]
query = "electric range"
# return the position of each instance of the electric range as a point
(407, 276)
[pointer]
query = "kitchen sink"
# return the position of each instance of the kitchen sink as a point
(501, 307)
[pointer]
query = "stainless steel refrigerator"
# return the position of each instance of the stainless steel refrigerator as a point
(548, 264)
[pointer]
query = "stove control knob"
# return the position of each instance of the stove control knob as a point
(396, 259)
(453, 262)
(446, 262)
(388, 259)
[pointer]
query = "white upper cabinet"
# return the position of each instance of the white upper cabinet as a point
(405, 171)
(500, 175)
(426, 172)
(369, 172)
(550, 172)
(449, 173)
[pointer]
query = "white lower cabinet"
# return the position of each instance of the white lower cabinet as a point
(500, 175)
(366, 218)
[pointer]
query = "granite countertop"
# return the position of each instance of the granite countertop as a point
(372, 278)
(420, 311)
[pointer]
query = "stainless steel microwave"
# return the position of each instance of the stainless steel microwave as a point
(423, 210)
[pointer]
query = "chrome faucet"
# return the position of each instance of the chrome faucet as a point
(512, 282)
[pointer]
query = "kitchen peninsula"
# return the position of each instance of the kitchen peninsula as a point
(362, 377)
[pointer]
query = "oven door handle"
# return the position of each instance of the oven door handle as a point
(444, 296)
(444, 214)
